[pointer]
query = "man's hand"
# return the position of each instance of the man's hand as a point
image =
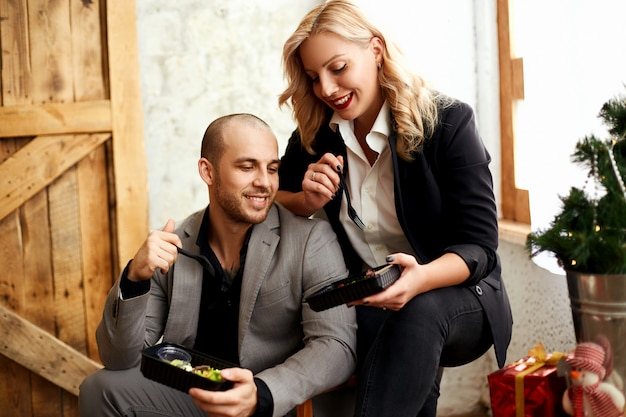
(158, 251)
(239, 401)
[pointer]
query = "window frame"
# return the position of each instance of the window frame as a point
(514, 205)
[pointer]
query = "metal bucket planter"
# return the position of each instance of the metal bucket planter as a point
(598, 304)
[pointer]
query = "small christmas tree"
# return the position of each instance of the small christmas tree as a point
(589, 235)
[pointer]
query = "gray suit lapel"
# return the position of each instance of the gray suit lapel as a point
(263, 242)
(186, 287)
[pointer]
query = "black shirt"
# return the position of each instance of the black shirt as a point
(219, 306)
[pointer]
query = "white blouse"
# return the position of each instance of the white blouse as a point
(371, 189)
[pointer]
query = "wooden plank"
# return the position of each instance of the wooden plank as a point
(39, 290)
(15, 387)
(95, 235)
(522, 204)
(70, 406)
(67, 265)
(37, 253)
(115, 261)
(129, 163)
(37, 164)
(45, 397)
(66, 260)
(514, 206)
(517, 78)
(51, 51)
(47, 356)
(91, 171)
(16, 78)
(507, 155)
(12, 260)
(305, 409)
(87, 43)
(55, 118)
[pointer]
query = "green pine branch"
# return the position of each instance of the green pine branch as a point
(589, 234)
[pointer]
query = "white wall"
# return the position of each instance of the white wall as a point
(200, 60)
(203, 59)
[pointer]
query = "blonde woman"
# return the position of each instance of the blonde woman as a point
(402, 174)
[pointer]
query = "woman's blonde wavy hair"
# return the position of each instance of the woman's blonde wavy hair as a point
(413, 102)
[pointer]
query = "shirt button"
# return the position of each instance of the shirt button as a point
(479, 290)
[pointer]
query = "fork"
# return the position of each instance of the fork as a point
(204, 261)
(351, 211)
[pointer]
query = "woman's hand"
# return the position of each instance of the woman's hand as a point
(415, 279)
(239, 401)
(401, 291)
(319, 186)
(321, 181)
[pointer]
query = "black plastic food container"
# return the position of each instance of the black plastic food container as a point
(155, 365)
(354, 287)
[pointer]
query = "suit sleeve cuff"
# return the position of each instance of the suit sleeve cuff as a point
(130, 289)
(265, 406)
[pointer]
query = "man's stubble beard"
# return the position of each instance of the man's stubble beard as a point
(232, 205)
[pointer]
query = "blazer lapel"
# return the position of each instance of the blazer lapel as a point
(263, 242)
(186, 288)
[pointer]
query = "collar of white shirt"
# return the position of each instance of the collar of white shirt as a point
(382, 126)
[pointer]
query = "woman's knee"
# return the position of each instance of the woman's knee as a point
(429, 309)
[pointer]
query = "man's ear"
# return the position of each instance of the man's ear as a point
(207, 171)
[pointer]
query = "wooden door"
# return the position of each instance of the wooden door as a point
(73, 190)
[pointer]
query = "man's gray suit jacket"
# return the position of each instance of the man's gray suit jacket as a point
(297, 352)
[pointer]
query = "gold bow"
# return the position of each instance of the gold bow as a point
(537, 358)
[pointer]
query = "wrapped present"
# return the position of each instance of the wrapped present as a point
(530, 387)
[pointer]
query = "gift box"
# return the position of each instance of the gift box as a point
(530, 387)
